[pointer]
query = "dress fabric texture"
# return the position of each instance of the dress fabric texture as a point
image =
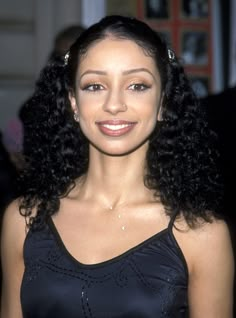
(148, 281)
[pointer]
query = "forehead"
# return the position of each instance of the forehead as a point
(119, 52)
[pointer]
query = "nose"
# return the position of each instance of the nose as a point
(114, 103)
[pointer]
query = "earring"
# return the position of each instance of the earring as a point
(159, 116)
(171, 55)
(76, 116)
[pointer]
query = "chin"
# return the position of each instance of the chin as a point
(121, 151)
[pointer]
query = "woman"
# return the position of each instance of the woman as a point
(120, 192)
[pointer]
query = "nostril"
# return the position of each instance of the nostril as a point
(115, 106)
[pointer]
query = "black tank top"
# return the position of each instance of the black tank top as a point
(148, 281)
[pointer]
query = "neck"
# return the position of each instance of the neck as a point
(114, 181)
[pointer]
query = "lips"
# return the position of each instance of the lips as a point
(115, 128)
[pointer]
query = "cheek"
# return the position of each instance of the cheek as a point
(87, 106)
(85, 98)
(149, 106)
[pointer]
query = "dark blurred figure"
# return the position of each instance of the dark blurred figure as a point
(64, 39)
(221, 112)
(13, 133)
(12, 137)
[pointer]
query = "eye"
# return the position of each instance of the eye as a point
(93, 87)
(138, 87)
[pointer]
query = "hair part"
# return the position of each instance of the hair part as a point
(122, 28)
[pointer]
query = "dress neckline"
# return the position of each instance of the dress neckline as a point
(114, 259)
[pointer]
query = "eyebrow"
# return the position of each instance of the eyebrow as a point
(93, 72)
(137, 70)
(131, 71)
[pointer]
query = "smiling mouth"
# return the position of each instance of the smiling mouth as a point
(115, 128)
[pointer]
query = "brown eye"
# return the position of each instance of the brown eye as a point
(93, 87)
(138, 87)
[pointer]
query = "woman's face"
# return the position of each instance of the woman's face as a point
(117, 96)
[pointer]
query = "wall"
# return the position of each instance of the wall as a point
(27, 30)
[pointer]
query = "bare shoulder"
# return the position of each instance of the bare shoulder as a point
(215, 235)
(211, 243)
(209, 256)
(211, 231)
(12, 214)
(13, 225)
(205, 241)
(12, 242)
(205, 235)
(13, 210)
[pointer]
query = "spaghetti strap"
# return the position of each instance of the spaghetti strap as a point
(175, 242)
(172, 221)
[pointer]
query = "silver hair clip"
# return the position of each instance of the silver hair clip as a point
(66, 58)
(171, 55)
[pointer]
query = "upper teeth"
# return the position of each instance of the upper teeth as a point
(116, 127)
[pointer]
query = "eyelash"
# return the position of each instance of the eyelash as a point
(138, 87)
(92, 87)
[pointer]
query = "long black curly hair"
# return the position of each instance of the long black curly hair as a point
(181, 159)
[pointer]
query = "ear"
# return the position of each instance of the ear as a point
(160, 108)
(73, 102)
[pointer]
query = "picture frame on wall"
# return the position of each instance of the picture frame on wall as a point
(157, 9)
(195, 9)
(194, 47)
(200, 85)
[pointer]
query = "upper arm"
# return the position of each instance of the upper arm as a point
(13, 234)
(212, 273)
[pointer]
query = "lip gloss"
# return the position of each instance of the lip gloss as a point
(115, 128)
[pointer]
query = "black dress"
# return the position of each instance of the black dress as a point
(148, 281)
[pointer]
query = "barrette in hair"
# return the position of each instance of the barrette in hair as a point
(66, 58)
(171, 55)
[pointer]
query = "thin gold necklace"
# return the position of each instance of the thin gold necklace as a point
(123, 227)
